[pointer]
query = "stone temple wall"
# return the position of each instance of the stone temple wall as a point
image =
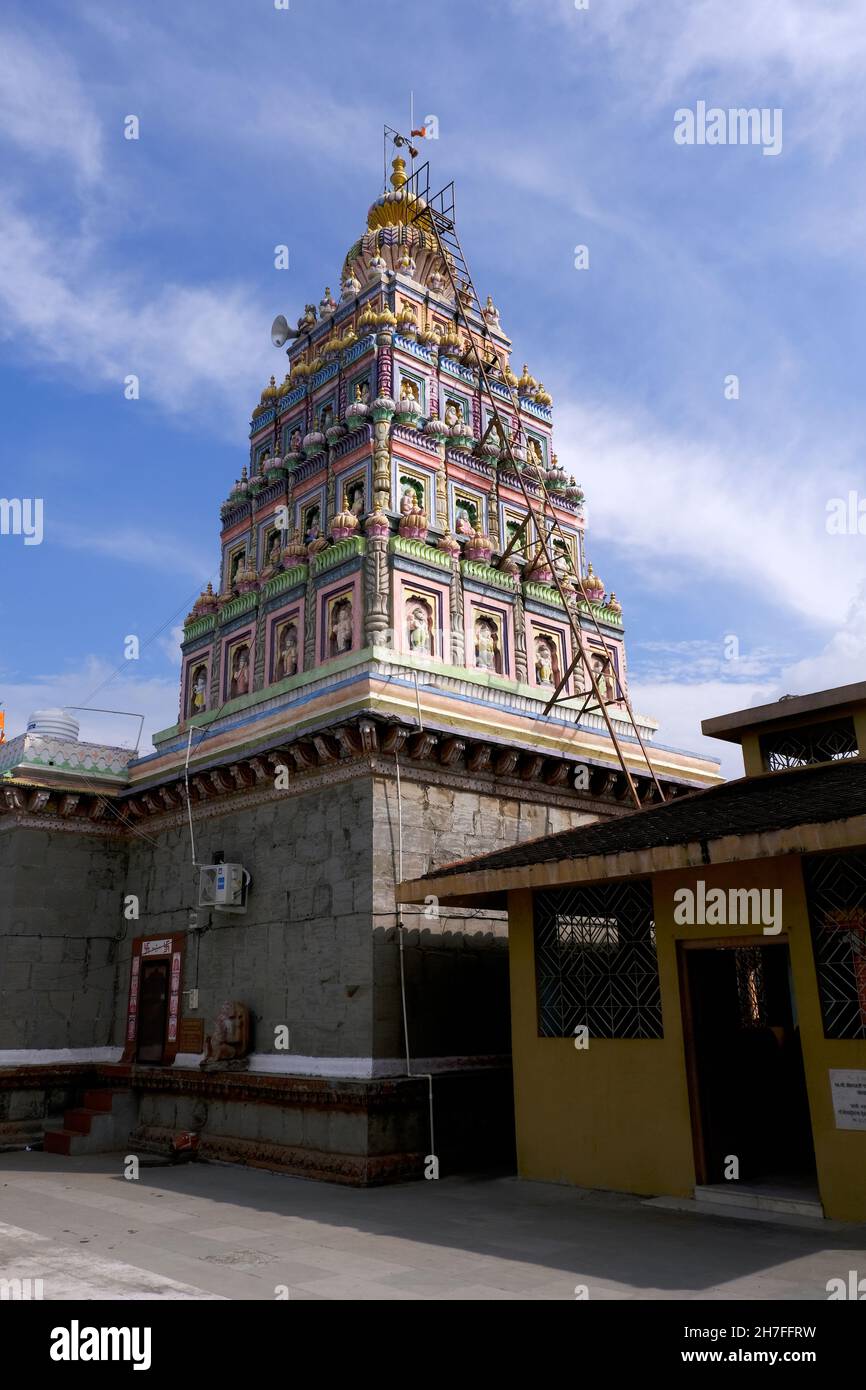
(60, 917)
(317, 950)
(304, 942)
(456, 961)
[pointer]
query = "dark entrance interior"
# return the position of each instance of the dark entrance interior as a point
(152, 1010)
(746, 1064)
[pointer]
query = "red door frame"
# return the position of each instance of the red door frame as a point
(169, 948)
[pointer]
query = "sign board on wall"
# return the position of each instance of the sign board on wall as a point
(156, 948)
(191, 1035)
(849, 1098)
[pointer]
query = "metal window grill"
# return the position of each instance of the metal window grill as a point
(815, 743)
(836, 894)
(595, 961)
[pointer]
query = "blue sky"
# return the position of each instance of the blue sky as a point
(260, 127)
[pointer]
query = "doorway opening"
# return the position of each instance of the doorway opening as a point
(745, 1065)
(152, 1011)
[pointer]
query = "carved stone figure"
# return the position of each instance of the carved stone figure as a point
(228, 1045)
(342, 627)
(408, 500)
(355, 500)
(487, 657)
(287, 660)
(418, 620)
(240, 682)
(313, 529)
(198, 693)
(544, 672)
(463, 521)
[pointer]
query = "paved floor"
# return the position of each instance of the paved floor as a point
(208, 1231)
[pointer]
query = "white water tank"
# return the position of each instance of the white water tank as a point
(53, 723)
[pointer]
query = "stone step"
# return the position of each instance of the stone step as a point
(58, 1141)
(101, 1129)
(781, 1200)
(100, 1100)
(728, 1212)
(80, 1120)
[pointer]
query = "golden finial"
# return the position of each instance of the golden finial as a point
(398, 178)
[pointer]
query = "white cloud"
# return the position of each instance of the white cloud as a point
(170, 645)
(140, 547)
(680, 505)
(43, 106)
(94, 683)
(197, 350)
(682, 704)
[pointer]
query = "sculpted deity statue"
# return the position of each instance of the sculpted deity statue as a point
(355, 500)
(313, 529)
(229, 1044)
(198, 698)
(341, 627)
(486, 645)
(453, 415)
(604, 677)
(463, 522)
(408, 390)
(418, 622)
(240, 682)
(544, 672)
(287, 663)
(362, 392)
(408, 500)
(274, 550)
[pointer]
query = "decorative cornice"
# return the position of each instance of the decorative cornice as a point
(541, 412)
(362, 435)
(413, 349)
(486, 574)
(197, 627)
(452, 368)
(292, 399)
(419, 550)
(287, 579)
(466, 460)
(542, 593)
(359, 349)
(415, 437)
(242, 603)
(337, 554)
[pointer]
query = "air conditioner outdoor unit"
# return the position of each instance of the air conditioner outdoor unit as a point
(224, 887)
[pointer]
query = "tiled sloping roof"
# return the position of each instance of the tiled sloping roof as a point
(827, 792)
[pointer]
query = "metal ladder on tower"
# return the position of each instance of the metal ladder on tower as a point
(540, 529)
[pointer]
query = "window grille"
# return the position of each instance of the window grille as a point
(814, 743)
(836, 894)
(595, 960)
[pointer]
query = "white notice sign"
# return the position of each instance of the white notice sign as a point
(849, 1098)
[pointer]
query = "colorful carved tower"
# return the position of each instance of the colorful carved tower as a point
(364, 698)
(368, 528)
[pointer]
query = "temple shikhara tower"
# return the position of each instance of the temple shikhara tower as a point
(409, 659)
(369, 548)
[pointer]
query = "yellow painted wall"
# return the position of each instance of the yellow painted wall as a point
(617, 1115)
